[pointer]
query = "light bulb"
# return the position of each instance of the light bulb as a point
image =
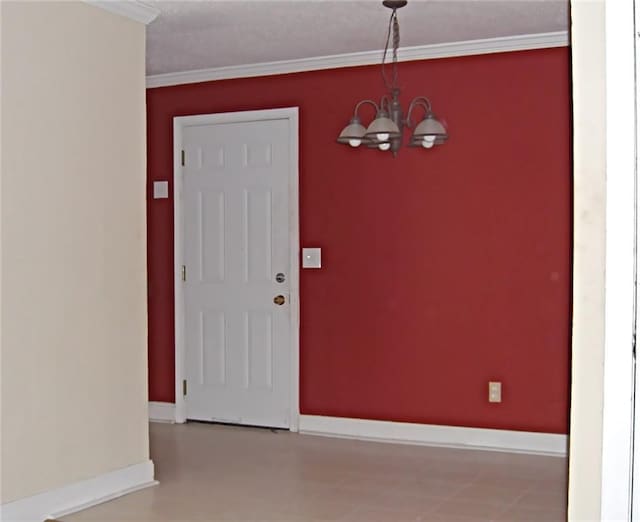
(427, 143)
(382, 136)
(355, 142)
(429, 137)
(384, 146)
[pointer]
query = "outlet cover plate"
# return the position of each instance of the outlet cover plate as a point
(495, 391)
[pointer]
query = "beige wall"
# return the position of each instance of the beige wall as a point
(73, 273)
(585, 453)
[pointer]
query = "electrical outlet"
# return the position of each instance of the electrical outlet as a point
(495, 391)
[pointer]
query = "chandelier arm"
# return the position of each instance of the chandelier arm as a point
(360, 103)
(422, 102)
(425, 100)
(385, 103)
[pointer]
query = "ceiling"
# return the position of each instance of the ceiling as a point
(190, 35)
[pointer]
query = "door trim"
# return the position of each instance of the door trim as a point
(620, 259)
(179, 123)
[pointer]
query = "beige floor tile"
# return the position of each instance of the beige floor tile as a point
(433, 484)
(518, 514)
(319, 508)
(435, 517)
(470, 509)
(478, 491)
(209, 473)
(535, 498)
(384, 515)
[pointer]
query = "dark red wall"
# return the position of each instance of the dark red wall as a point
(443, 269)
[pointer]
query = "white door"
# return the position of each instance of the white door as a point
(237, 271)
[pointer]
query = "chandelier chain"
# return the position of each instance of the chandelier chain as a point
(396, 44)
(394, 39)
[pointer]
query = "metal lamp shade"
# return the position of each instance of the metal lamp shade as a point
(354, 131)
(430, 127)
(382, 125)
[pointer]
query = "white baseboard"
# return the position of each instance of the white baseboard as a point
(162, 412)
(79, 495)
(431, 435)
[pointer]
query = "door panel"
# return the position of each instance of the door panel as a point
(236, 201)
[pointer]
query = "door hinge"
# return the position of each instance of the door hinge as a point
(183, 273)
(182, 157)
(184, 387)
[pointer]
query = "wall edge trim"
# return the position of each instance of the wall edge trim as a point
(132, 9)
(162, 411)
(550, 444)
(80, 495)
(422, 52)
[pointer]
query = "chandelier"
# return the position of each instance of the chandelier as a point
(385, 131)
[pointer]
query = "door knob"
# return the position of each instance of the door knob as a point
(279, 300)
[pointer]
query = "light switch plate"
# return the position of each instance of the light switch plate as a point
(311, 258)
(160, 189)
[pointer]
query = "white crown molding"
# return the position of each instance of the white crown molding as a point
(551, 444)
(422, 52)
(74, 497)
(133, 9)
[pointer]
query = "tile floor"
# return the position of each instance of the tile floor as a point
(212, 472)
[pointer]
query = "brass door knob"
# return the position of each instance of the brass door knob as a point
(279, 300)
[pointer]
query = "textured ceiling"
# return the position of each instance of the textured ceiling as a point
(191, 35)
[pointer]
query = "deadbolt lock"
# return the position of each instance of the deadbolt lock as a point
(280, 277)
(279, 300)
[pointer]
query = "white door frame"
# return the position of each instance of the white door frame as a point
(179, 123)
(620, 256)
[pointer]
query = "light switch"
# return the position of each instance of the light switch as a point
(311, 258)
(160, 189)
